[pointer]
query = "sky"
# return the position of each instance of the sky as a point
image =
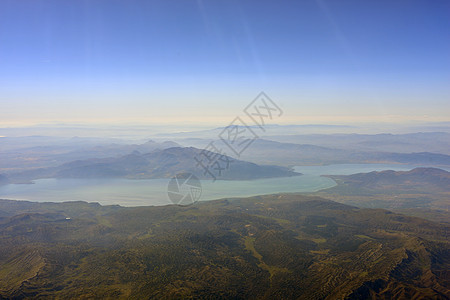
(202, 62)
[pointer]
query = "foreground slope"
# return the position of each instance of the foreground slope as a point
(265, 247)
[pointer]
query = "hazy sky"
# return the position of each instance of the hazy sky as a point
(204, 61)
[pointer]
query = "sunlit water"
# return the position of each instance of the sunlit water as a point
(154, 191)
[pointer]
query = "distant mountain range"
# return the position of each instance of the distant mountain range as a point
(288, 154)
(22, 153)
(434, 142)
(156, 164)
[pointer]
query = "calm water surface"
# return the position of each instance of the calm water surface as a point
(154, 191)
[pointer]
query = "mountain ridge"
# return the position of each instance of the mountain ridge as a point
(163, 163)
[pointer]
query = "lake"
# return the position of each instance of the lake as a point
(146, 192)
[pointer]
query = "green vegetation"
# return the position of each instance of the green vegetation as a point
(265, 247)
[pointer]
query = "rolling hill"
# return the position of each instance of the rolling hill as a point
(265, 247)
(423, 192)
(418, 179)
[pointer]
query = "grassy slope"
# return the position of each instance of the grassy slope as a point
(276, 246)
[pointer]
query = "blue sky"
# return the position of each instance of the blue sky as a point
(203, 61)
